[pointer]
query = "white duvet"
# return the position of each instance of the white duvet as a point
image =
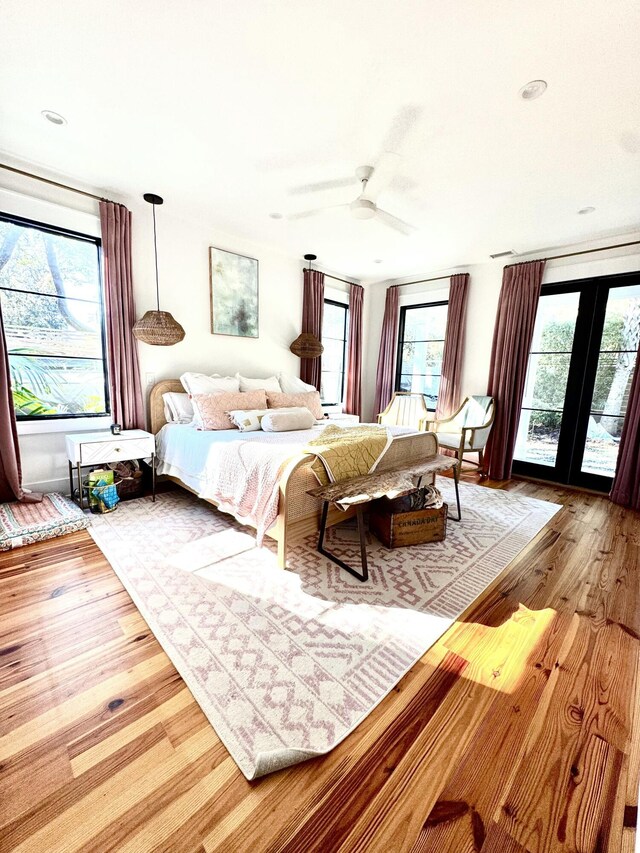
(239, 471)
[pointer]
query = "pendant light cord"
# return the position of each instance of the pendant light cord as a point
(155, 250)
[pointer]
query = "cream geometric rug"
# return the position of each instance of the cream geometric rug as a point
(285, 664)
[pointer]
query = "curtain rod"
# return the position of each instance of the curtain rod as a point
(550, 258)
(584, 252)
(51, 183)
(422, 281)
(334, 277)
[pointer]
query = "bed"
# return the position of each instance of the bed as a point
(297, 513)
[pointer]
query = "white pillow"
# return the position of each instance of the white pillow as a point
(286, 421)
(270, 384)
(177, 408)
(247, 420)
(291, 384)
(200, 383)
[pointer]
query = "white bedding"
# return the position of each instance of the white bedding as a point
(239, 471)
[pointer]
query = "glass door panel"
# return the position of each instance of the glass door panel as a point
(546, 381)
(616, 361)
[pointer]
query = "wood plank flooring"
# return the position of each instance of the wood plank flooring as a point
(519, 732)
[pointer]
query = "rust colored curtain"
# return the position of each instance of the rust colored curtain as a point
(10, 464)
(386, 373)
(312, 311)
(125, 387)
(449, 394)
(626, 483)
(512, 337)
(353, 396)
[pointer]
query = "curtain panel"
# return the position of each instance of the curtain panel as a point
(386, 372)
(312, 311)
(353, 396)
(625, 489)
(10, 463)
(512, 337)
(449, 393)
(125, 386)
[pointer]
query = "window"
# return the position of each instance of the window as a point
(578, 380)
(334, 357)
(51, 298)
(420, 347)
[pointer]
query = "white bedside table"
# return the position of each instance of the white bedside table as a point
(342, 418)
(99, 448)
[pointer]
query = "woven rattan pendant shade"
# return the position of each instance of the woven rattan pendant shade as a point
(306, 345)
(159, 329)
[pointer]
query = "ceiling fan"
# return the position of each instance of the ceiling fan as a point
(373, 181)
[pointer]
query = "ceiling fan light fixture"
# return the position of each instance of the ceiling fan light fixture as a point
(362, 208)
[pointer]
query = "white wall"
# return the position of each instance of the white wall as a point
(184, 291)
(485, 283)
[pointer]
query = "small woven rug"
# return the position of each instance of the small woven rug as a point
(24, 523)
(285, 664)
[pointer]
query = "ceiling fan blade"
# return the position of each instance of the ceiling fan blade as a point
(321, 186)
(305, 214)
(393, 222)
(382, 174)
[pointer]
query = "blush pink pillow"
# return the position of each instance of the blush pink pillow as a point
(210, 410)
(309, 399)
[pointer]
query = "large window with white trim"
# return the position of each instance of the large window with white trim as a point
(420, 348)
(52, 308)
(335, 327)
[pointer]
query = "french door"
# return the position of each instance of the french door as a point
(579, 374)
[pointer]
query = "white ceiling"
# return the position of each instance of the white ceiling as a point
(225, 108)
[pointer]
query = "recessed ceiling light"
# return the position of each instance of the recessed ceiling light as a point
(506, 254)
(532, 90)
(275, 215)
(584, 210)
(377, 260)
(54, 118)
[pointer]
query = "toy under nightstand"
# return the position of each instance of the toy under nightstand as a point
(100, 448)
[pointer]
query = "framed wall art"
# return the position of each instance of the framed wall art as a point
(233, 283)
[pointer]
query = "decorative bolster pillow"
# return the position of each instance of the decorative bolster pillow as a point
(277, 421)
(211, 410)
(249, 420)
(310, 399)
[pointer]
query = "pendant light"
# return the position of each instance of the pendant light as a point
(307, 345)
(157, 328)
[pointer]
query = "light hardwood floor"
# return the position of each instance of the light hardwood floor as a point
(519, 731)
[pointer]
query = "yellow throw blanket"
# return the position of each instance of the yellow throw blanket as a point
(344, 453)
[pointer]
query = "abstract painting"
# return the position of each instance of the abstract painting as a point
(234, 294)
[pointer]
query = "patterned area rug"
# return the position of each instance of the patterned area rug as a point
(286, 663)
(24, 523)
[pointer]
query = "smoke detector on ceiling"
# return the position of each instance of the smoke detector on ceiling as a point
(54, 118)
(533, 89)
(506, 254)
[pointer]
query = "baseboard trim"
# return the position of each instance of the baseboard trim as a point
(58, 485)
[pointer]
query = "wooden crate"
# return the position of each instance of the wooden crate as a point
(397, 527)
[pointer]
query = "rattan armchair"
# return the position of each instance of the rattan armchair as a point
(467, 430)
(406, 408)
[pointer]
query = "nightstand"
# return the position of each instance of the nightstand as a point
(99, 448)
(342, 418)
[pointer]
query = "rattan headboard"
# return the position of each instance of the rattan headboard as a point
(156, 403)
